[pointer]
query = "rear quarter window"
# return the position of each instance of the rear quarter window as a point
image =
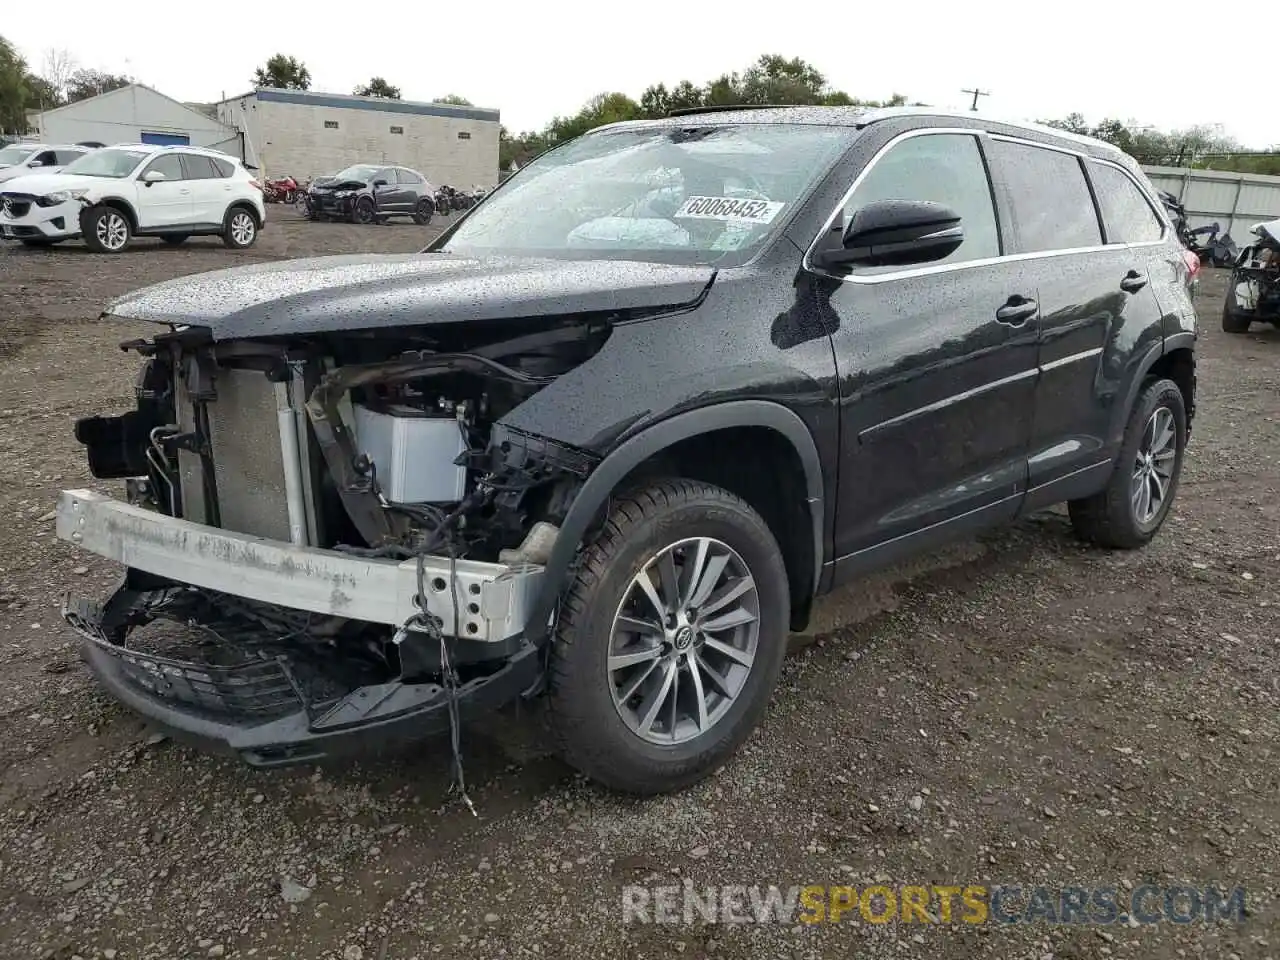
(1047, 196)
(1127, 215)
(224, 168)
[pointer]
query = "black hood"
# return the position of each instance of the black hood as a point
(369, 291)
(339, 185)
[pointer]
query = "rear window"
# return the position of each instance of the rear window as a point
(1126, 213)
(224, 167)
(1049, 199)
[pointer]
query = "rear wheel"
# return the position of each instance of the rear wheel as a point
(105, 229)
(423, 212)
(1234, 322)
(239, 228)
(670, 639)
(1139, 495)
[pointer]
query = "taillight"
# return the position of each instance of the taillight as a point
(1192, 260)
(255, 184)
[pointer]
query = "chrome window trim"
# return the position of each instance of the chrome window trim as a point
(807, 263)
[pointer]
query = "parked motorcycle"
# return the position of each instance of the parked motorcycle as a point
(280, 190)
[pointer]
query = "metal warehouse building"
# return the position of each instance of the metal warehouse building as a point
(133, 114)
(307, 134)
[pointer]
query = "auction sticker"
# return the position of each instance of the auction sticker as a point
(729, 208)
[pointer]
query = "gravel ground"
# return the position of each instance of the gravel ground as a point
(1018, 709)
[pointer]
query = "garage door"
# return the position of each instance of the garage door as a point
(166, 139)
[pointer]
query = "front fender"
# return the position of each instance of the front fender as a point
(595, 492)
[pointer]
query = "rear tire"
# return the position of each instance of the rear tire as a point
(1233, 322)
(239, 229)
(105, 230)
(423, 212)
(1120, 517)
(597, 654)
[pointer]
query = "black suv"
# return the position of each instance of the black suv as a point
(607, 438)
(367, 193)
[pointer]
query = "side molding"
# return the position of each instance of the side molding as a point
(640, 447)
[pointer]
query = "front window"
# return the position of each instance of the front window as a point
(116, 164)
(361, 172)
(12, 156)
(696, 195)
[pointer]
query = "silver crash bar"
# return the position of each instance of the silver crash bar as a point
(493, 598)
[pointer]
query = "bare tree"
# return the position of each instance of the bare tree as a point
(59, 65)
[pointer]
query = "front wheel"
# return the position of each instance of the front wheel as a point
(1139, 495)
(363, 211)
(670, 639)
(239, 229)
(105, 229)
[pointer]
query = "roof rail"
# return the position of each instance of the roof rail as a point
(716, 108)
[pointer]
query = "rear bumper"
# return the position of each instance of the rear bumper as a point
(366, 721)
(492, 599)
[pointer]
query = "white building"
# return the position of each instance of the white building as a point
(133, 114)
(308, 134)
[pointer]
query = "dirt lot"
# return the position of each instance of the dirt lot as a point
(1019, 710)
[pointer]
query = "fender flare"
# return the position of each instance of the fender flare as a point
(1120, 417)
(641, 446)
(128, 210)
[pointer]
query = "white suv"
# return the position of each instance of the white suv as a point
(21, 159)
(116, 193)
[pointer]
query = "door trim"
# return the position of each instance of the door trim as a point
(945, 402)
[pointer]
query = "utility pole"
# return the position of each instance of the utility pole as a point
(976, 94)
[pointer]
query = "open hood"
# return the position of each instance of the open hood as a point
(370, 291)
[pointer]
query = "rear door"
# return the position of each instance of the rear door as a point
(164, 203)
(410, 188)
(1096, 309)
(937, 364)
(210, 193)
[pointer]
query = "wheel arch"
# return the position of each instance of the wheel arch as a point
(1174, 358)
(120, 204)
(246, 205)
(668, 442)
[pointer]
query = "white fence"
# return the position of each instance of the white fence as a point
(1235, 201)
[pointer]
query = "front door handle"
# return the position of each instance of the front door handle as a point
(1133, 282)
(1017, 311)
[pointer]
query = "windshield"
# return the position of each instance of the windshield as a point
(13, 155)
(361, 171)
(106, 163)
(702, 195)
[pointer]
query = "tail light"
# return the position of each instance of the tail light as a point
(255, 184)
(1192, 260)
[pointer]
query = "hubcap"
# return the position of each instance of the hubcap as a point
(242, 228)
(683, 641)
(112, 231)
(1153, 469)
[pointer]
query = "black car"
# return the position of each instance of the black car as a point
(368, 193)
(608, 437)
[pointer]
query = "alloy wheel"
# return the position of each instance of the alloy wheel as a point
(242, 228)
(683, 641)
(112, 231)
(1153, 469)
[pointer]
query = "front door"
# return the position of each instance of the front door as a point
(386, 195)
(164, 203)
(936, 362)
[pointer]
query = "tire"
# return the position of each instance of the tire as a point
(1111, 518)
(175, 239)
(1234, 322)
(590, 729)
(239, 228)
(423, 212)
(105, 230)
(362, 212)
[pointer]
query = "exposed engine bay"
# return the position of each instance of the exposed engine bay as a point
(383, 448)
(1253, 292)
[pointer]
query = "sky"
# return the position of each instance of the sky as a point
(536, 60)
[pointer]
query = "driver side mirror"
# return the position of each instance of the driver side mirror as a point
(152, 176)
(897, 233)
(379, 183)
(35, 163)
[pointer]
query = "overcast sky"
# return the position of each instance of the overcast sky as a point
(533, 60)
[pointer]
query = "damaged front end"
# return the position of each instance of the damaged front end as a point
(330, 538)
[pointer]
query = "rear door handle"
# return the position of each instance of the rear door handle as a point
(1017, 311)
(1133, 282)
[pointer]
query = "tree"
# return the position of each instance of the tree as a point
(59, 65)
(42, 94)
(83, 84)
(283, 72)
(377, 87)
(13, 90)
(454, 99)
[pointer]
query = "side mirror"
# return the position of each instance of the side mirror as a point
(897, 233)
(379, 183)
(35, 163)
(152, 176)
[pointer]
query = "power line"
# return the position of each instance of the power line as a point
(976, 94)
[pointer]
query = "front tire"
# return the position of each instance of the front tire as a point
(239, 229)
(105, 230)
(1140, 493)
(648, 705)
(363, 211)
